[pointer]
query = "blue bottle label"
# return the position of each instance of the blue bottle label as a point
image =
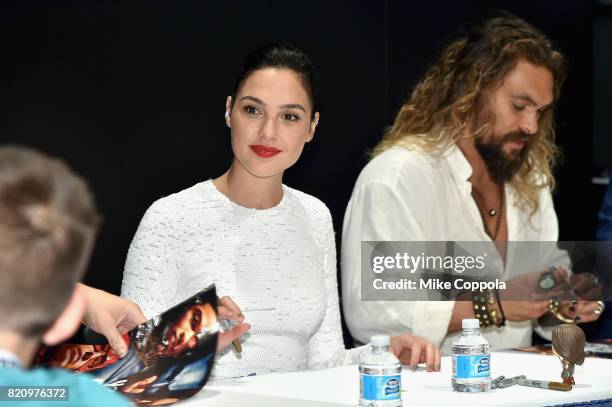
(380, 387)
(471, 366)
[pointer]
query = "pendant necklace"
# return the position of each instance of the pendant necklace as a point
(492, 212)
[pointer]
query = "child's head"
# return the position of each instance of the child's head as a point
(47, 225)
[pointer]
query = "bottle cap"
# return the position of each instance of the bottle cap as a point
(379, 340)
(470, 323)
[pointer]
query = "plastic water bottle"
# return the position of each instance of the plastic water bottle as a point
(471, 359)
(380, 376)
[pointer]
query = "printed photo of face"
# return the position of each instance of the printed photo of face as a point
(83, 358)
(183, 334)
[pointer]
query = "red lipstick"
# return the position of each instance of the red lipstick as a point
(265, 151)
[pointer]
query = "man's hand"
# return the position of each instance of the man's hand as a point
(412, 350)
(228, 309)
(524, 299)
(110, 315)
(583, 311)
(588, 290)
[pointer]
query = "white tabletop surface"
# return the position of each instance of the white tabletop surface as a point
(340, 386)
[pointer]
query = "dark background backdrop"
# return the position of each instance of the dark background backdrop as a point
(132, 93)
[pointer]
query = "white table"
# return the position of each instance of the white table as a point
(340, 386)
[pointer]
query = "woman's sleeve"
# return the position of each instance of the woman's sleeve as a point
(150, 275)
(326, 346)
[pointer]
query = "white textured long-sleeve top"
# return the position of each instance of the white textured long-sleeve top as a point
(277, 264)
(409, 195)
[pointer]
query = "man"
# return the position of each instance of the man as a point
(468, 159)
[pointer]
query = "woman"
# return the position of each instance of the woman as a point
(266, 245)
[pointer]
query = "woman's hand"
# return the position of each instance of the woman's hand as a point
(228, 309)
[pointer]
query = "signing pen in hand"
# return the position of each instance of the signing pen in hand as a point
(236, 342)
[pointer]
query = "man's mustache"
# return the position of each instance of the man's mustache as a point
(516, 136)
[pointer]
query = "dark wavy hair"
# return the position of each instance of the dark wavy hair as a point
(281, 55)
(453, 91)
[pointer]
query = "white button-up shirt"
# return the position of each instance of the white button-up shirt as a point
(408, 195)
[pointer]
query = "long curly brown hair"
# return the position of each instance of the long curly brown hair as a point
(454, 90)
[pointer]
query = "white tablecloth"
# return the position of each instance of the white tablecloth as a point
(340, 386)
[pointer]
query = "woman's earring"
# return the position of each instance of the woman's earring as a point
(227, 114)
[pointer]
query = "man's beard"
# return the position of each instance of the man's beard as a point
(502, 166)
